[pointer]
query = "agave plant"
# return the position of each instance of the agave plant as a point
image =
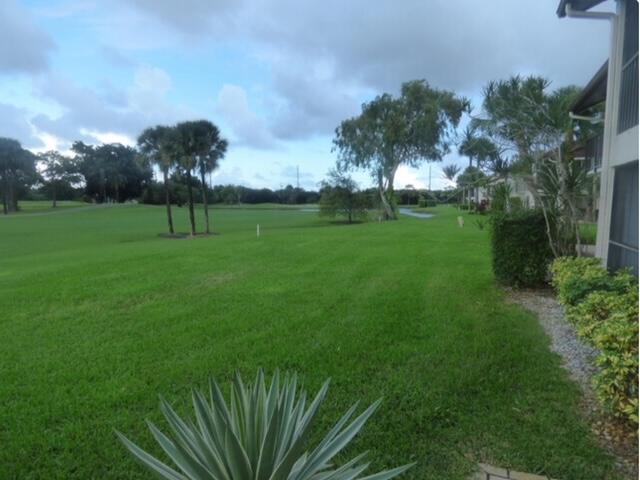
(260, 434)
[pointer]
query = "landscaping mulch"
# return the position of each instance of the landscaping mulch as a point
(619, 439)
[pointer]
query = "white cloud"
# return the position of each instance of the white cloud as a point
(248, 128)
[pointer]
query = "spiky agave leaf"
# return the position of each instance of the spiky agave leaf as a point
(260, 434)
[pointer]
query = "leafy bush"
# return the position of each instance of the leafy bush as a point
(576, 277)
(260, 434)
(520, 249)
(609, 321)
(516, 203)
(604, 309)
(500, 197)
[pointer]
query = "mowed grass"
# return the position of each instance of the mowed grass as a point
(99, 315)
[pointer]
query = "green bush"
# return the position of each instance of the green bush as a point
(576, 277)
(520, 248)
(604, 310)
(609, 321)
(516, 204)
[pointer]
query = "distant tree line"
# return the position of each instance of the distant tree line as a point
(228, 194)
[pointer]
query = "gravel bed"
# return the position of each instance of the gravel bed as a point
(578, 358)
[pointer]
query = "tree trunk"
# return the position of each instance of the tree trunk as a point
(53, 194)
(103, 186)
(117, 189)
(5, 194)
(13, 201)
(389, 214)
(205, 203)
(192, 217)
(167, 199)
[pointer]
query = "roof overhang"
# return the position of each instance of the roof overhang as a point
(594, 93)
(581, 5)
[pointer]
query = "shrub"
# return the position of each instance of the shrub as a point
(260, 434)
(608, 320)
(430, 203)
(520, 248)
(604, 310)
(575, 277)
(516, 203)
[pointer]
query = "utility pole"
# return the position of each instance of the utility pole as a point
(429, 177)
(298, 177)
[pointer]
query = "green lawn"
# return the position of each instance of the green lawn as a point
(588, 233)
(46, 206)
(99, 315)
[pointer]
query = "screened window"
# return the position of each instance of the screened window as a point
(623, 239)
(628, 111)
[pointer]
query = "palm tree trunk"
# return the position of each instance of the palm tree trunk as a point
(192, 217)
(204, 200)
(167, 199)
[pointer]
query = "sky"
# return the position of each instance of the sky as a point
(277, 76)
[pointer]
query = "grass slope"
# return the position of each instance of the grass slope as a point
(100, 315)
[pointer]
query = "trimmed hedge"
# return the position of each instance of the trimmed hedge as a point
(604, 310)
(520, 248)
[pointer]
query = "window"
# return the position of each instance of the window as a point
(628, 111)
(623, 239)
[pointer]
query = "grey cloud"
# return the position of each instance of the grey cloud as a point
(249, 128)
(24, 47)
(190, 17)
(326, 56)
(115, 57)
(309, 104)
(111, 110)
(14, 123)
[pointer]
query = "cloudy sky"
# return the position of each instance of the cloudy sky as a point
(277, 76)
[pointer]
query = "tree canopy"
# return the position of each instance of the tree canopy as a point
(413, 128)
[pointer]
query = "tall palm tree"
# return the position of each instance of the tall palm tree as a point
(188, 140)
(214, 149)
(159, 145)
(450, 172)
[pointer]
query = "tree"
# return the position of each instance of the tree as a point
(340, 196)
(408, 130)
(521, 116)
(195, 139)
(59, 171)
(450, 172)
(17, 172)
(159, 144)
(214, 148)
(111, 171)
(471, 178)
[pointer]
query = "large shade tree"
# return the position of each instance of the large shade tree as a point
(160, 146)
(413, 128)
(112, 172)
(58, 172)
(17, 172)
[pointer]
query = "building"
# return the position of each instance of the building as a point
(617, 241)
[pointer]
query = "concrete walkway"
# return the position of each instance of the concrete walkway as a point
(489, 472)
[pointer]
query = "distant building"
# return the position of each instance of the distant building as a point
(614, 154)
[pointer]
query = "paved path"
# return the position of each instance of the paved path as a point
(489, 472)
